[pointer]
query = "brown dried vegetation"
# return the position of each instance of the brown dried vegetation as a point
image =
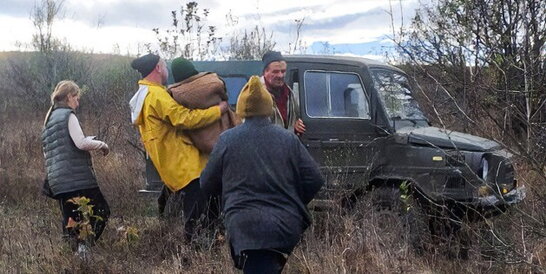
(30, 232)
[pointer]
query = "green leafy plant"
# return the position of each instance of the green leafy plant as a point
(132, 234)
(128, 234)
(405, 195)
(83, 227)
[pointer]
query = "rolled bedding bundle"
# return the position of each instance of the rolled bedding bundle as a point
(202, 91)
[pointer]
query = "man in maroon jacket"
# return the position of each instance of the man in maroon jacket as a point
(286, 109)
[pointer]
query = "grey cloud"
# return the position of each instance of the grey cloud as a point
(266, 14)
(126, 13)
(17, 8)
(374, 18)
(156, 14)
(130, 13)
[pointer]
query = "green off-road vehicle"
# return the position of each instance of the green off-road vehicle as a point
(369, 136)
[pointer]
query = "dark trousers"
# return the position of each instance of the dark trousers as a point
(191, 201)
(263, 262)
(70, 210)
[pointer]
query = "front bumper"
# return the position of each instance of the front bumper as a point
(513, 197)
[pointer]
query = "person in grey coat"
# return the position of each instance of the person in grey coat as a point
(69, 167)
(266, 178)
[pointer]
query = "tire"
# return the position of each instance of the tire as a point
(449, 232)
(418, 225)
(402, 219)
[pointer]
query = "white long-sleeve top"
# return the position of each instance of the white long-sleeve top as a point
(82, 142)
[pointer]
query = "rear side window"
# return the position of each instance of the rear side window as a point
(234, 84)
(335, 95)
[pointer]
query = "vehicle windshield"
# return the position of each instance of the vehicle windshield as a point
(395, 94)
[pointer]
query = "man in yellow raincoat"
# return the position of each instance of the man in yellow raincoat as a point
(162, 123)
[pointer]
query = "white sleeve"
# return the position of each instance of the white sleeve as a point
(82, 142)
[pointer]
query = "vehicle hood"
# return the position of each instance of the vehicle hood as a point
(433, 136)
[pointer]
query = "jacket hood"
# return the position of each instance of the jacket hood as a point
(447, 139)
(137, 101)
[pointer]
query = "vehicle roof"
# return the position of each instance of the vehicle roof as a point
(230, 67)
(342, 60)
(254, 67)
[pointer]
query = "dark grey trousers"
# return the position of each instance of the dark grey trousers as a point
(191, 203)
(70, 210)
(263, 262)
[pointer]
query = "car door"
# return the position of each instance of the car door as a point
(335, 108)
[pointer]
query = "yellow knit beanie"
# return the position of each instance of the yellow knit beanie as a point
(254, 100)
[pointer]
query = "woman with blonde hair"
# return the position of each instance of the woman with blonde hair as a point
(68, 164)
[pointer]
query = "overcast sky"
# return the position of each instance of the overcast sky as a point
(121, 26)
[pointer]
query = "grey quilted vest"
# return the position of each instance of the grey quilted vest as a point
(68, 168)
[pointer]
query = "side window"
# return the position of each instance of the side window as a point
(234, 84)
(335, 95)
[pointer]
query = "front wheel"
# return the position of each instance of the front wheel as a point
(400, 217)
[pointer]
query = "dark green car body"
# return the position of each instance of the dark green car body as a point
(365, 129)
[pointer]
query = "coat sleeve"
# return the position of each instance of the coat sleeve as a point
(310, 178)
(179, 116)
(211, 177)
(295, 104)
(79, 139)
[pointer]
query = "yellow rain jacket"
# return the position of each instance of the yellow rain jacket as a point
(161, 122)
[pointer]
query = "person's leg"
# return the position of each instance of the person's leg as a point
(212, 221)
(69, 210)
(238, 259)
(194, 204)
(65, 216)
(100, 209)
(213, 211)
(162, 200)
(263, 262)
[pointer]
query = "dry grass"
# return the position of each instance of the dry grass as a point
(30, 224)
(337, 243)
